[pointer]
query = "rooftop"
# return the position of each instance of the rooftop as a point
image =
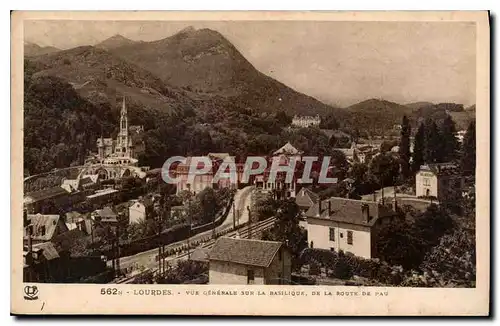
(245, 251)
(287, 149)
(440, 168)
(306, 198)
(349, 211)
(44, 194)
(44, 226)
(102, 193)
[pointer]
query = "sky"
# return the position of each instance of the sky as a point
(337, 62)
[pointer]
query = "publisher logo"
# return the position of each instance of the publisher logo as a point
(30, 292)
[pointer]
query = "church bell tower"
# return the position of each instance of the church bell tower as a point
(123, 141)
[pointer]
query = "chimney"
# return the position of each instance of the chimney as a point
(365, 210)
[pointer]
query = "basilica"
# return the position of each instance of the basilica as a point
(118, 157)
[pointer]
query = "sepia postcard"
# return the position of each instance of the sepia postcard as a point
(250, 163)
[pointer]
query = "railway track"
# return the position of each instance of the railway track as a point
(244, 232)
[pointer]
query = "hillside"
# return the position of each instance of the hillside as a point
(59, 125)
(206, 63)
(115, 41)
(32, 49)
(438, 112)
(376, 116)
(103, 78)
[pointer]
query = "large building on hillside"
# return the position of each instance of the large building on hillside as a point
(306, 121)
(127, 144)
(347, 224)
(118, 158)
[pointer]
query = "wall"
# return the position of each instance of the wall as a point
(137, 212)
(279, 266)
(318, 231)
(420, 188)
(232, 273)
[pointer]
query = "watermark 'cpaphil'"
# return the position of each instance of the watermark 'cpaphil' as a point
(229, 170)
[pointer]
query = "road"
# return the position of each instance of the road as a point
(388, 192)
(146, 259)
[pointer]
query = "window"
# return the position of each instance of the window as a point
(349, 237)
(332, 249)
(250, 276)
(341, 235)
(332, 234)
(427, 182)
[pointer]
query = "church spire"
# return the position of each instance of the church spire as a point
(124, 107)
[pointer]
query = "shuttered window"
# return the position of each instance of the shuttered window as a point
(349, 237)
(332, 234)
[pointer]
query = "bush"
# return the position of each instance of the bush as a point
(314, 268)
(343, 268)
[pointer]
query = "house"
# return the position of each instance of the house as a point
(206, 180)
(44, 263)
(105, 215)
(44, 227)
(442, 181)
(64, 259)
(46, 200)
(347, 224)
(140, 209)
(306, 198)
(283, 156)
(78, 221)
(246, 261)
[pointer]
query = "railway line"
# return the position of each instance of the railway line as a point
(247, 231)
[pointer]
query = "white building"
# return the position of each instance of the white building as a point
(306, 121)
(442, 181)
(246, 261)
(347, 224)
(140, 210)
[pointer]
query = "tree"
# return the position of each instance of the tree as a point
(404, 147)
(398, 245)
(339, 163)
(453, 260)
(418, 149)
(449, 141)
(286, 229)
(385, 169)
(433, 148)
(468, 159)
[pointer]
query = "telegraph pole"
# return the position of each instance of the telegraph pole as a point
(234, 216)
(249, 222)
(118, 249)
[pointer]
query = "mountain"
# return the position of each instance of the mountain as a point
(32, 49)
(115, 41)
(103, 78)
(377, 116)
(206, 63)
(379, 107)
